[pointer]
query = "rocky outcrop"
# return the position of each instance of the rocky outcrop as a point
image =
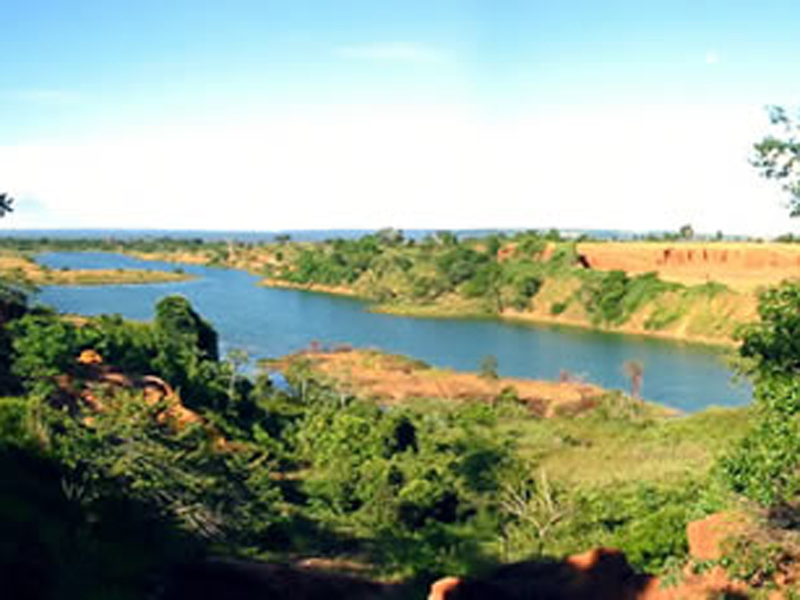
(600, 574)
(605, 574)
(92, 379)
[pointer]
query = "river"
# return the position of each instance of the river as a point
(272, 322)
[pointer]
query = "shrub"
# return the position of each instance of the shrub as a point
(765, 466)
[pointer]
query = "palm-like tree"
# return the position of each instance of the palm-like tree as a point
(6, 202)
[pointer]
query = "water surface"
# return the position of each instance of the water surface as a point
(273, 322)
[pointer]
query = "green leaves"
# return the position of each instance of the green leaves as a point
(44, 345)
(6, 204)
(778, 156)
(773, 343)
(766, 465)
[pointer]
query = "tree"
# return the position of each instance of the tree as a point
(6, 203)
(178, 322)
(390, 236)
(236, 359)
(533, 507)
(686, 232)
(765, 466)
(187, 354)
(778, 156)
(489, 366)
(635, 372)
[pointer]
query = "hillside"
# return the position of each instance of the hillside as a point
(688, 291)
(740, 266)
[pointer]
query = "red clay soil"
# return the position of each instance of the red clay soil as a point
(600, 574)
(742, 266)
(389, 378)
(92, 379)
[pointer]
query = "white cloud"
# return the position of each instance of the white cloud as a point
(712, 58)
(393, 51)
(409, 167)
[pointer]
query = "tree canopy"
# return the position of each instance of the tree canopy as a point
(778, 156)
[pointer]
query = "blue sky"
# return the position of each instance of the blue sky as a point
(415, 114)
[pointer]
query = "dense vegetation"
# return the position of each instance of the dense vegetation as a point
(412, 491)
(522, 275)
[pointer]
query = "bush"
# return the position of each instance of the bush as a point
(765, 466)
(613, 297)
(13, 418)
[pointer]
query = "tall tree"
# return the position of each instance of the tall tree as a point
(777, 156)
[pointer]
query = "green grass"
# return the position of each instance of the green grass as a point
(596, 451)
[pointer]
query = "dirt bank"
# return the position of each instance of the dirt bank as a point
(336, 290)
(741, 266)
(391, 378)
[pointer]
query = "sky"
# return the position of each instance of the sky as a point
(278, 114)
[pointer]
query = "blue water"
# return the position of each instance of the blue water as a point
(270, 322)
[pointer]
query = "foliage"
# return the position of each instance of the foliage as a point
(646, 522)
(6, 204)
(778, 156)
(765, 466)
(417, 492)
(341, 262)
(186, 353)
(404, 480)
(43, 346)
(57, 545)
(460, 264)
(489, 366)
(603, 297)
(686, 232)
(531, 244)
(610, 298)
(177, 323)
(558, 307)
(533, 507)
(772, 344)
(752, 561)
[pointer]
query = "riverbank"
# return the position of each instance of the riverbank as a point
(707, 292)
(20, 267)
(541, 318)
(334, 290)
(395, 379)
